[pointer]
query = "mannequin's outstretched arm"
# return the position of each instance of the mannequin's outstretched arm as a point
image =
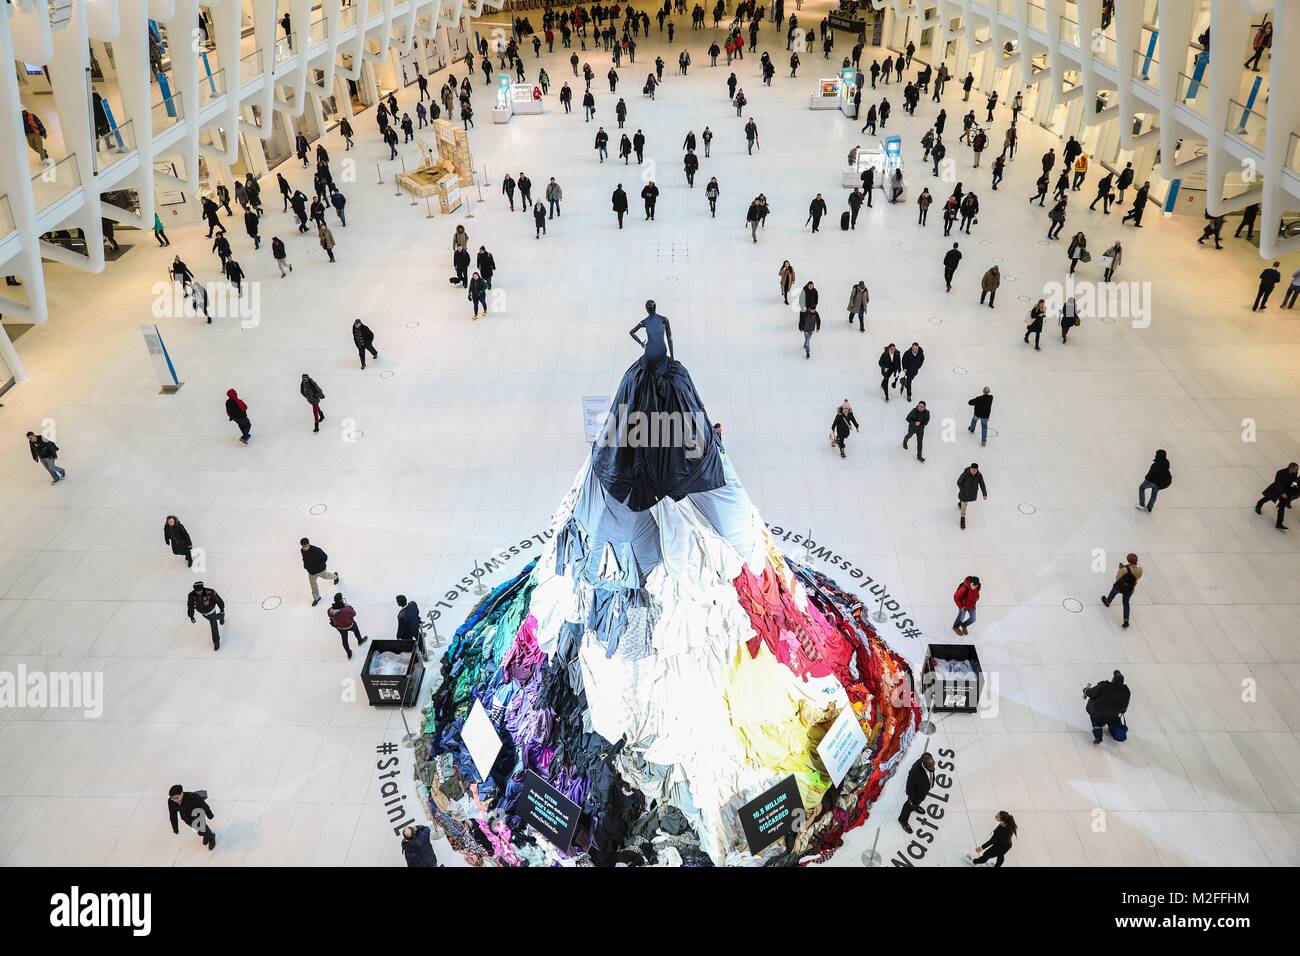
(632, 332)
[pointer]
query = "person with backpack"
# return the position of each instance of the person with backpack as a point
(965, 597)
(1158, 478)
(1108, 701)
(237, 412)
(364, 339)
(1126, 582)
(45, 453)
(343, 618)
(859, 298)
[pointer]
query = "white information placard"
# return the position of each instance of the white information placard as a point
(481, 739)
(595, 409)
(842, 744)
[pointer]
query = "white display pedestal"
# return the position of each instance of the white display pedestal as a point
(502, 114)
(818, 102)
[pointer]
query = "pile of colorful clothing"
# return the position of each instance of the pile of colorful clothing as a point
(662, 667)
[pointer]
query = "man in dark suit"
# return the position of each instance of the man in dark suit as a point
(919, 781)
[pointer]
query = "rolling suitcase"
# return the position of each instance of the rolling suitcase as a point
(844, 221)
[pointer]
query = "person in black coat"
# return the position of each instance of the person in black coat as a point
(970, 483)
(416, 847)
(951, 260)
(192, 808)
(314, 394)
(919, 781)
(1157, 480)
(174, 534)
(890, 365)
(408, 621)
(999, 844)
(844, 418)
(486, 265)
(917, 419)
(206, 601)
(619, 200)
(1107, 703)
(650, 194)
(315, 562)
(364, 340)
(816, 209)
(1284, 490)
(912, 361)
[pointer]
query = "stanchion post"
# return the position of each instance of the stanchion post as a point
(872, 857)
(879, 616)
(396, 182)
(380, 173)
(428, 204)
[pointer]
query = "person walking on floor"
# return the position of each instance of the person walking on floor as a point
(478, 293)
(539, 220)
(1126, 581)
(817, 209)
(912, 361)
(1139, 206)
(175, 535)
(969, 484)
(920, 778)
(989, 285)
(343, 618)
(1110, 260)
(315, 562)
(408, 622)
(1034, 326)
(917, 419)
(1249, 216)
(193, 809)
(890, 363)
(951, 260)
(326, 238)
(981, 407)
(859, 298)
(204, 600)
(1069, 318)
(649, 196)
(159, 232)
(237, 412)
(364, 340)
(553, 196)
(923, 203)
(809, 321)
(1108, 702)
(1077, 251)
(844, 418)
(711, 192)
(45, 453)
(1284, 490)
(280, 255)
(998, 845)
(1157, 480)
(314, 395)
(1268, 279)
(619, 200)
(965, 597)
(786, 277)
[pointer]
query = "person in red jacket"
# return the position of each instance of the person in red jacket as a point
(343, 618)
(966, 597)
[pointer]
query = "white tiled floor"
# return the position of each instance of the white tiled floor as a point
(477, 434)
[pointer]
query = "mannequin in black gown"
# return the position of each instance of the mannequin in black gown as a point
(657, 330)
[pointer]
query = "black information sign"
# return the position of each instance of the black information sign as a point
(771, 815)
(548, 811)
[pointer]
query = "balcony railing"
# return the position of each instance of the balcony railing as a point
(1037, 17)
(117, 143)
(1146, 68)
(285, 47)
(7, 217)
(1070, 32)
(1293, 155)
(347, 17)
(166, 114)
(212, 86)
(318, 33)
(1247, 124)
(55, 181)
(1194, 94)
(250, 66)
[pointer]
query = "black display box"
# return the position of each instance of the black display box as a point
(952, 695)
(385, 690)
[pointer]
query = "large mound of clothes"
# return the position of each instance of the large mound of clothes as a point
(661, 668)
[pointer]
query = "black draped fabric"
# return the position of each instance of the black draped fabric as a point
(645, 455)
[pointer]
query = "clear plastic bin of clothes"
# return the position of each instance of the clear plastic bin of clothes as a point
(392, 673)
(951, 679)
